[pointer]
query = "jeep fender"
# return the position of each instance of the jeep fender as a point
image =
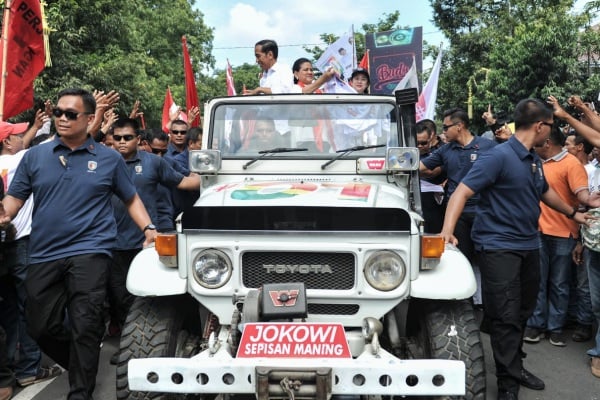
(452, 279)
(148, 276)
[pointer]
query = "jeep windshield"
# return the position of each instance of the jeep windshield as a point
(321, 124)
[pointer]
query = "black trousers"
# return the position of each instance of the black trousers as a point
(118, 297)
(462, 231)
(64, 307)
(510, 284)
(433, 212)
(7, 378)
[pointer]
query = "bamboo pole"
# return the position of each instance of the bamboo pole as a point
(5, 26)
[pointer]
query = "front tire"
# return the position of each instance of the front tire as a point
(156, 327)
(448, 330)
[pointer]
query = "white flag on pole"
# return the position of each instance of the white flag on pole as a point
(410, 80)
(427, 100)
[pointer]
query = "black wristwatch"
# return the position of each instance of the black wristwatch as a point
(570, 216)
(149, 226)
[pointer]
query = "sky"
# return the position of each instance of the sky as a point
(238, 25)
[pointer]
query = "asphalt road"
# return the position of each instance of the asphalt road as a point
(565, 371)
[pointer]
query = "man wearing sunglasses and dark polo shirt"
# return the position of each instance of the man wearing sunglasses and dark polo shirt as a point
(155, 141)
(73, 232)
(148, 172)
(455, 159)
(177, 138)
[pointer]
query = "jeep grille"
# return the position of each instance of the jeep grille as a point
(330, 271)
(333, 309)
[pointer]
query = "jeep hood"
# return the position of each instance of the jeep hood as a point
(303, 193)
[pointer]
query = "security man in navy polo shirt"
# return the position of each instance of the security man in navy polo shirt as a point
(455, 159)
(156, 142)
(72, 235)
(185, 199)
(148, 172)
(510, 182)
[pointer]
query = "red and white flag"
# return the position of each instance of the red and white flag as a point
(23, 36)
(229, 79)
(364, 62)
(425, 106)
(169, 106)
(191, 94)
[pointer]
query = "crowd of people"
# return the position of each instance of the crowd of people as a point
(520, 201)
(522, 207)
(81, 206)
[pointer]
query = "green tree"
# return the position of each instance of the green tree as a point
(243, 75)
(505, 51)
(133, 47)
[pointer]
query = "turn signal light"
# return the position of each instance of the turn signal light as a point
(432, 246)
(166, 245)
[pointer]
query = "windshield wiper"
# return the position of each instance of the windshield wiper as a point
(349, 150)
(264, 153)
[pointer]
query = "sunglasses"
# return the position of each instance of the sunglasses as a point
(72, 115)
(178, 132)
(446, 127)
(158, 151)
(423, 143)
(127, 138)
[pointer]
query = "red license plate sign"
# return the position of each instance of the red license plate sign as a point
(297, 340)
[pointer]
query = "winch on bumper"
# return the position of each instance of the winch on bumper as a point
(373, 372)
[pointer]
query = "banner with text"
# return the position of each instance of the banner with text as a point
(25, 57)
(391, 55)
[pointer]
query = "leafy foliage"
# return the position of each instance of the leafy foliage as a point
(131, 46)
(505, 51)
(244, 75)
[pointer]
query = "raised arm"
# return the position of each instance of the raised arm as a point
(320, 81)
(592, 135)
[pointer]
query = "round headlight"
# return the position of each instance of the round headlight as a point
(212, 268)
(385, 270)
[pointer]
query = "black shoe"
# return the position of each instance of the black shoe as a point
(582, 333)
(504, 395)
(531, 381)
(558, 339)
(533, 335)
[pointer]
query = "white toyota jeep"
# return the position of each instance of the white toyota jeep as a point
(302, 271)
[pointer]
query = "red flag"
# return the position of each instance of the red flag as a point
(167, 109)
(229, 79)
(24, 39)
(364, 62)
(191, 94)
